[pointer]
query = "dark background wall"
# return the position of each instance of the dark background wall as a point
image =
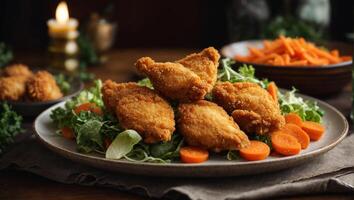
(155, 23)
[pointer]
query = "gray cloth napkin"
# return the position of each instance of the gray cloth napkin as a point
(332, 172)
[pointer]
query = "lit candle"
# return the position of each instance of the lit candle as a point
(62, 25)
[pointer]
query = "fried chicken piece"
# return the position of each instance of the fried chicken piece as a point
(141, 109)
(173, 80)
(188, 79)
(207, 125)
(12, 88)
(17, 70)
(42, 87)
(204, 64)
(252, 107)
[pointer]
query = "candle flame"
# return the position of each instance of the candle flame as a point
(62, 13)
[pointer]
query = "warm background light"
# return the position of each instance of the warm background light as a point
(62, 13)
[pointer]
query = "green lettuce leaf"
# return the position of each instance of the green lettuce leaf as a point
(123, 144)
(89, 137)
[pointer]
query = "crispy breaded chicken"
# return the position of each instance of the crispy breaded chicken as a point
(207, 125)
(141, 109)
(17, 70)
(42, 87)
(12, 88)
(188, 79)
(204, 64)
(173, 80)
(252, 107)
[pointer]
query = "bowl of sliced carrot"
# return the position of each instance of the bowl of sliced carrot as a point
(312, 69)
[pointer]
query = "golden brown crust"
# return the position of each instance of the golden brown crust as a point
(207, 125)
(173, 80)
(17, 70)
(204, 64)
(42, 87)
(141, 109)
(188, 79)
(12, 88)
(252, 107)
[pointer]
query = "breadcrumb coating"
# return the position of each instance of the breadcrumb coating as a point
(186, 80)
(17, 70)
(207, 125)
(12, 88)
(42, 87)
(141, 109)
(252, 107)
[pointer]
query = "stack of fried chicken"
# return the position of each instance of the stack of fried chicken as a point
(18, 83)
(237, 109)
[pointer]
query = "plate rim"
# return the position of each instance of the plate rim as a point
(82, 157)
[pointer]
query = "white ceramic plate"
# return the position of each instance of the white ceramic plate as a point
(217, 166)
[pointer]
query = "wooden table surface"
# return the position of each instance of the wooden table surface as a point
(119, 67)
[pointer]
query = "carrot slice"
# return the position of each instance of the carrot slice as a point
(293, 118)
(273, 90)
(88, 107)
(300, 135)
(257, 150)
(67, 133)
(313, 129)
(193, 154)
(285, 144)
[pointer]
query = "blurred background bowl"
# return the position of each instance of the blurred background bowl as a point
(314, 80)
(32, 109)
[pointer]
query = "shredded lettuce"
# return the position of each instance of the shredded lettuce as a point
(161, 152)
(307, 110)
(92, 95)
(245, 73)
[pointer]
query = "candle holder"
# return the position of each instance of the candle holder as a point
(64, 50)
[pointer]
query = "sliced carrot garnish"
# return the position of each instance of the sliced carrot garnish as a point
(313, 129)
(193, 154)
(257, 150)
(285, 144)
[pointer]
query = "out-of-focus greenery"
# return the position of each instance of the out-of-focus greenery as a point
(292, 27)
(10, 125)
(63, 82)
(5, 54)
(88, 57)
(88, 54)
(84, 75)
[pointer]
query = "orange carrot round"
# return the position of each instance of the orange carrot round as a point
(88, 107)
(313, 129)
(298, 133)
(293, 118)
(257, 150)
(285, 144)
(67, 133)
(193, 154)
(273, 90)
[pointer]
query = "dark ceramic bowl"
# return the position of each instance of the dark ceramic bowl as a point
(314, 80)
(31, 109)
